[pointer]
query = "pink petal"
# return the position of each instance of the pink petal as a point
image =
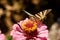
(16, 27)
(20, 23)
(41, 28)
(17, 35)
(43, 34)
(37, 38)
(43, 38)
(19, 38)
(26, 19)
(2, 37)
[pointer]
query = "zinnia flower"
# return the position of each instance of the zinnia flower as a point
(2, 36)
(29, 30)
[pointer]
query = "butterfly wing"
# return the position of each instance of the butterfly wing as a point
(42, 15)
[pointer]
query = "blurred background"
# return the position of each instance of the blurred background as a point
(11, 12)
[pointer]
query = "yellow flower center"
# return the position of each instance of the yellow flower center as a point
(29, 26)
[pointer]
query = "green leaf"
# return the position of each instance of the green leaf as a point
(9, 38)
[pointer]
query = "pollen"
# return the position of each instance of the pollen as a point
(29, 26)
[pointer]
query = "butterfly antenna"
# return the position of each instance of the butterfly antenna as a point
(28, 13)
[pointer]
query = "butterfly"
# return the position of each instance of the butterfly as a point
(41, 15)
